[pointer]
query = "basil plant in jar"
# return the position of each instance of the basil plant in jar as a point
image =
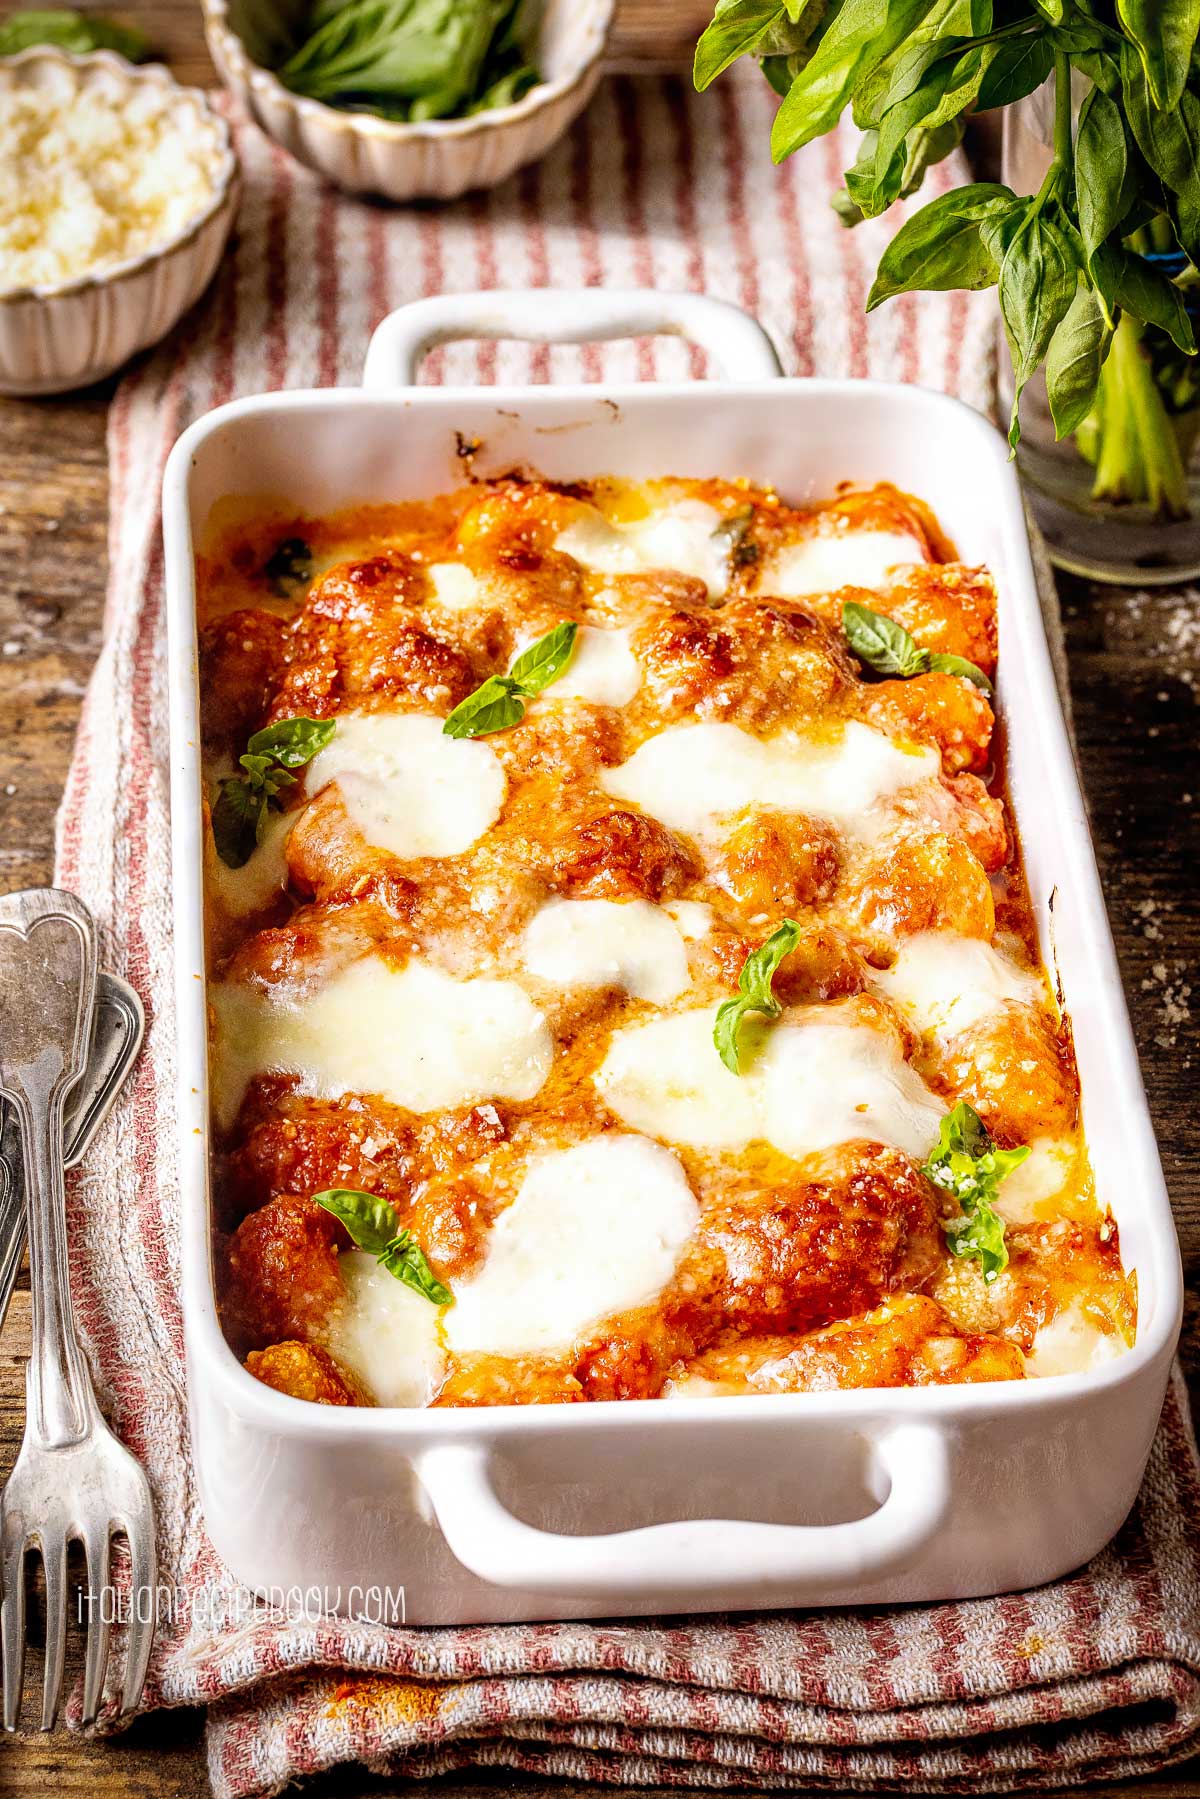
(1092, 239)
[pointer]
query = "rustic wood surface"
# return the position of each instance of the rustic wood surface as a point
(1135, 678)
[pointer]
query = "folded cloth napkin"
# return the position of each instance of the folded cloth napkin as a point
(1099, 1673)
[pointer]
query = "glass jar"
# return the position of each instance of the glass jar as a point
(1119, 500)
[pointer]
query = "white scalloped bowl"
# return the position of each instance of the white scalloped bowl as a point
(437, 159)
(67, 334)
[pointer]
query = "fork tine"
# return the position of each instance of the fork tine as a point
(143, 1580)
(12, 1626)
(95, 1544)
(54, 1564)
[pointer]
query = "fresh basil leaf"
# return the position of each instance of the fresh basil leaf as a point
(1038, 280)
(1184, 215)
(979, 1233)
(932, 86)
(405, 1259)
(1133, 284)
(1168, 139)
(1099, 169)
(861, 180)
(518, 34)
(70, 31)
(427, 55)
(292, 741)
(941, 246)
(493, 707)
(262, 774)
(500, 701)
(967, 1164)
(545, 660)
(963, 1132)
(858, 35)
(371, 1221)
(886, 647)
(944, 664)
(1019, 66)
(506, 90)
(290, 565)
(925, 148)
(1099, 64)
(1074, 360)
(373, 1227)
(738, 28)
(779, 73)
(1165, 33)
(755, 992)
(240, 814)
(881, 643)
(238, 818)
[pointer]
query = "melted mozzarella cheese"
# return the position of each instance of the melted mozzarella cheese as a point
(829, 560)
(805, 1086)
(251, 888)
(386, 1334)
(414, 1035)
(455, 586)
(1023, 1194)
(685, 536)
(602, 669)
(689, 776)
(594, 1230)
(408, 787)
(1070, 1343)
(944, 983)
(607, 943)
(693, 917)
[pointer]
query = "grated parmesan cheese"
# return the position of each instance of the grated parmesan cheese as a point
(89, 180)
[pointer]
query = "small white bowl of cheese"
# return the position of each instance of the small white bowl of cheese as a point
(118, 188)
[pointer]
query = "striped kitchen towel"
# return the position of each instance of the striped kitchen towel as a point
(1100, 1673)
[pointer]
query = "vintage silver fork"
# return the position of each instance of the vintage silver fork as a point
(73, 1481)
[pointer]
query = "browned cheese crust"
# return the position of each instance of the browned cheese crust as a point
(831, 1271)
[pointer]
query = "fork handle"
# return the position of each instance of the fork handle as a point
(47, 997)
(58, 1385)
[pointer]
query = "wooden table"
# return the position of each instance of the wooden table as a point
(1135, 680)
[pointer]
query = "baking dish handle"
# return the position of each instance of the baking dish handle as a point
(793, 1563)
(737, 344)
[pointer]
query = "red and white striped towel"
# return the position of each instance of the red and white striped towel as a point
(1100, 1673)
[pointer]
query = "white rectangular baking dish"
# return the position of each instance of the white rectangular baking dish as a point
(697, 1504)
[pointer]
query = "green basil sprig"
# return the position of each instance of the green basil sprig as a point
(416, 59)
(239, 817)
(372, 1224)
(889, 649)
(755, 992)
(500, 701)
(72, 31)
(967, 1163)
(1070, 261)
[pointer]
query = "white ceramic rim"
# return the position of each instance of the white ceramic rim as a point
(227, 1381)
(365, 124)
(155, 74)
